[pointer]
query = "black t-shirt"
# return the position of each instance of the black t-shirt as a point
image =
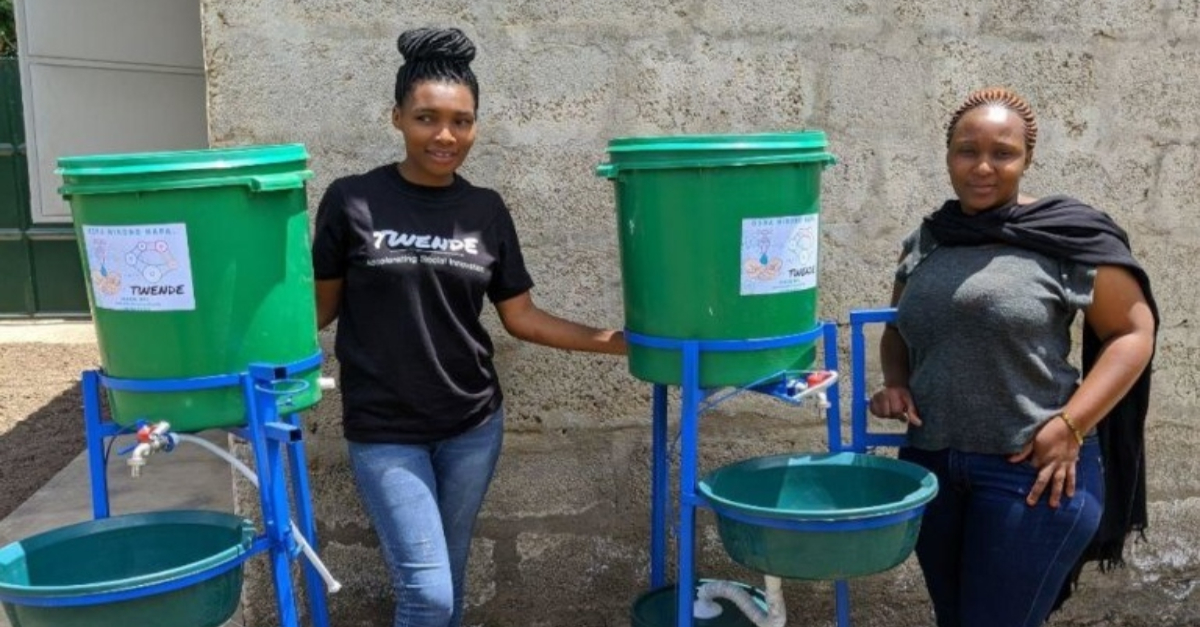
(416, 362)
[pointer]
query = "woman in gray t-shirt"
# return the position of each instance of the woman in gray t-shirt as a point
(977, 364)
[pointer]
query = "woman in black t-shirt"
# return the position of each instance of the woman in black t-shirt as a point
(404, 255)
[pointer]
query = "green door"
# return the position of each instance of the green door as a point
(40, 273)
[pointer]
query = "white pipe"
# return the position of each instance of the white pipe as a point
(331, 584)
(775, 616)
(776, 609)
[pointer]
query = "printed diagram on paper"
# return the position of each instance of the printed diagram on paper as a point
(140, 267)
(779, 254)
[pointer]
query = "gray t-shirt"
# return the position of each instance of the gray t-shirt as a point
(988, 330)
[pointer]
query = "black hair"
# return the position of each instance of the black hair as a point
(435, 54)
(1002, 97)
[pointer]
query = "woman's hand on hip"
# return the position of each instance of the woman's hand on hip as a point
(1054, 452)
(895, 401)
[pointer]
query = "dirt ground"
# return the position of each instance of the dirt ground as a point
(41, 408)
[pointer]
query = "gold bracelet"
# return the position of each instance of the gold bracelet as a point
(1071, 425)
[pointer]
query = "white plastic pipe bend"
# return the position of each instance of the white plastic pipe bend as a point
(775, 616)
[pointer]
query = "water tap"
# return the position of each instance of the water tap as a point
(812, 385)
(150, 438)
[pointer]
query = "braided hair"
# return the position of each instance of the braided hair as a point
(1001, 97)
(435, 54)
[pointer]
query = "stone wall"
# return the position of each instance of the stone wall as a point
(563, 539)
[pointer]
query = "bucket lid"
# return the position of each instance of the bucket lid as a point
(699, 151)
(259, 167)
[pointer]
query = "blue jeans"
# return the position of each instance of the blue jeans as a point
(989, 559)
(423, 500)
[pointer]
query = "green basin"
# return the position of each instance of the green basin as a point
(819, 517)
(104, 573)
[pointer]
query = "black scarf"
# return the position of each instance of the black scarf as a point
(1065, 228)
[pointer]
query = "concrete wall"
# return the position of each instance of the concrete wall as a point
(563, 538)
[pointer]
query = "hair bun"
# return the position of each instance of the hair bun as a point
(431, 44)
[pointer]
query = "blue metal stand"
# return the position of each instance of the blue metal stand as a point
(861, 440)
(275, 439)
(690, 410)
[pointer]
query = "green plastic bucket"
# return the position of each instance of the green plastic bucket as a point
(198, 265)
(47, 580)
(719, 241)
(659, 607)
(861, 512)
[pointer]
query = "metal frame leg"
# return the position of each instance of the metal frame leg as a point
(833, 421)
(306, 522)
(841, 591)
(689, 439)
(833, 413)
(660, 495)
(94, 432)
(265, 441)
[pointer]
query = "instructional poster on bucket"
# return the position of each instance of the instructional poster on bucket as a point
(144, 267)
(779, 254)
